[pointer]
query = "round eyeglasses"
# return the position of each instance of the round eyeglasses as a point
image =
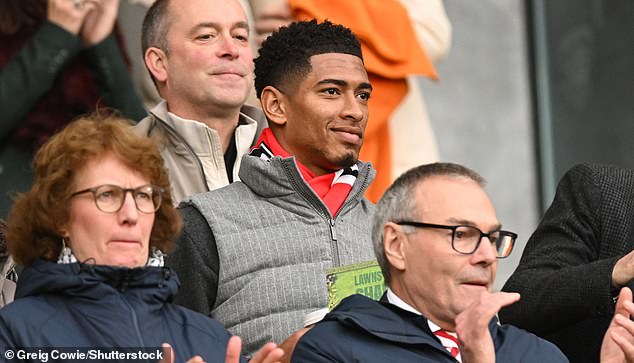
(110, 198)
(466, 239)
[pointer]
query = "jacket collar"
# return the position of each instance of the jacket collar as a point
(248, 115)
(387, 321)
(280, 176)
(95, 282)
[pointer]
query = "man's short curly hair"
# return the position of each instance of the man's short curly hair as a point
(285, 55)
(37, 216)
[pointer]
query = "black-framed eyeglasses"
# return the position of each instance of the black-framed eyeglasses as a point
(110, 198)
(466, 239)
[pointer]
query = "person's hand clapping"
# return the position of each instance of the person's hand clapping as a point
(99, 22)
(472, 326)
(269, 353)
(618, 342)
(68, 14)
(270, 20)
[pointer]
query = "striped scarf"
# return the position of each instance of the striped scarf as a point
(332, 188)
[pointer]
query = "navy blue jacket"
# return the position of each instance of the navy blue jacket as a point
(362, 330)
(81, 305)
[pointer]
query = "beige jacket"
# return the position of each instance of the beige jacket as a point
(192, 151)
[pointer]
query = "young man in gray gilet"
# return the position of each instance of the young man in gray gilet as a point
(253, 255)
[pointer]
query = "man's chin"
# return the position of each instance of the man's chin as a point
(347, 161)
(228, 98)
(228, 103)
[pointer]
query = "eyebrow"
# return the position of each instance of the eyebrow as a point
(214, 25)
(341, 83)
(466, 222)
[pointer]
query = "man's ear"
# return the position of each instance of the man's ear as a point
(274, 105)
(393, 245)
(156, 62)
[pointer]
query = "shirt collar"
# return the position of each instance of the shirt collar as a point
(397, 301)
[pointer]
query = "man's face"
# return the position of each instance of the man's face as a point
(327, 113)
(439, 281)
(209, 62)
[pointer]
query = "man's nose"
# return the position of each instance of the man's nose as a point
(486, 252)
(228, 47)
(353, 109)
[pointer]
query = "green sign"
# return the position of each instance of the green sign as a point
(363, 278)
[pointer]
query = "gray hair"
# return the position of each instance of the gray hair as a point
(399, 202)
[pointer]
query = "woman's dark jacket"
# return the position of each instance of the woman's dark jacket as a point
(81, 305)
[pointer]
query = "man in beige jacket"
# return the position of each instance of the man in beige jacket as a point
(199, 56)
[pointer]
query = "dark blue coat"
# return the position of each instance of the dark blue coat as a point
(362, 330)
(80, 305)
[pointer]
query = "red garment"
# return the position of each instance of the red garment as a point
(332, 194)
(448, 341)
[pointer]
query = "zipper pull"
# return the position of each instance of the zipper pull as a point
(333, 233)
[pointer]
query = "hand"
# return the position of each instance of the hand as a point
(66, 15)
(99, 21)
(269, 20)
(168, 355)
(289, 343)
(623, 270)
(269, 353)
(472, 326)
(618, 342)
